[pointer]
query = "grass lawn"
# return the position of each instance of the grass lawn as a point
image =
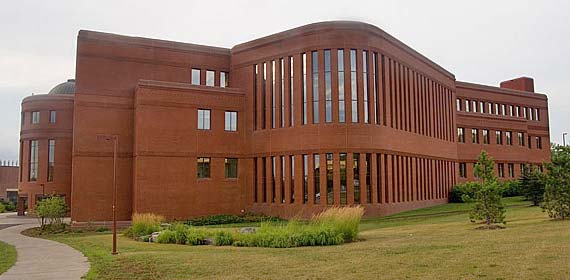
(7, 256)
(431, 243)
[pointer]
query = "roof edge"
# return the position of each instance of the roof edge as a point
(500, 89)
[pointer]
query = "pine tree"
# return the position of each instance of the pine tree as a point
(557, 192)
(532, 185)
(488, 199)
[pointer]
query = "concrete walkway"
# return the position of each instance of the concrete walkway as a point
(39, 258)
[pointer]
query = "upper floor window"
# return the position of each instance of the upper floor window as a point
(231, 167)
(22, 119)
(341, 102)
(501, 169)
(328, 85)
(503, 110)
(51, 159)
(231, 121)
(529, 142)
(521, 138)
(203, 167)
(481, 107)
(511, 113)
(509, 136)
(210, 77)
(490, 108)
(511, 170)
(536, 115)
(518, 111)
(35, 117)
(467, 105)
(474, 106)
(203, 119)
(530, 114)
(524, 109)
(315, 72)
(486, 136)
(353, 86)
(497, 112)
(33, 163)
(463, 170)
(195, 76)
(224, 79)
(539, 142)
(458, 104)
(51, 116)
(499, 135)
(461, 135)
(475, 135)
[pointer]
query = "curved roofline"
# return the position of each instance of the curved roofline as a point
(45, 96)
(338, 25)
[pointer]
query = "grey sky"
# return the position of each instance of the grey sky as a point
(479, 41)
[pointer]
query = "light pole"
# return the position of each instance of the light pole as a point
(115, 139)
(564, 138)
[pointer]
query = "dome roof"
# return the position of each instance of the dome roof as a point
(64, 88)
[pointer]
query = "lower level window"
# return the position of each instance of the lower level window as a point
(231, 167)
(462, 170)
(203, 167)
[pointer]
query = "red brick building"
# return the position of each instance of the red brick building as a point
(333, 113)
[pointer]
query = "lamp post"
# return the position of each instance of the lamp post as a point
(564, 138)
(115, 139)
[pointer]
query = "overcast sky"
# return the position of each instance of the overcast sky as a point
(479, 41)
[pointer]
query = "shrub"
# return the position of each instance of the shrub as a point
(223, 238)
(51, 211)
(8, 206)
(144, 224)
(464, 192)
(230, 219)
(532, 186)
(343, 219)
(197, 236)
(510, 188)
(167, 237)
(2, 208)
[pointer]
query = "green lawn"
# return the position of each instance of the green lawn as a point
(432, 243)
(7, 256)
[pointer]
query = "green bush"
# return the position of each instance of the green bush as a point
(167, 237)
(230, 219)
(144, 224)
(510, 188)
(2, 208)
(51, 211)
(197, 236)
(9, 206)
(223, 238)
(464, 192)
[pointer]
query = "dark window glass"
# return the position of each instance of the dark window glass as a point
(305, 178)
(458, 104)
(292, 174)
(356, 171)
(511, 170)
(521, 138)
(342, 163)
(203, 167)
(462, 170)
(273, 178)
(486, 136)
(509, 137)
(501, 170)
(282, 92)
(330, 178)
(317, 178)
(283, 179)
(315, 63)
(461, 135)
(291, 91)
(263, 97)
(231, 167)
(224, 79)
(51, 159)
(273, 93)
(475, 135)
(499, 135)
(368, 190)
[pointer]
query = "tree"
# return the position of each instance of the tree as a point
(51, 211)
(532, 185)
(557, 191)
(488, 199)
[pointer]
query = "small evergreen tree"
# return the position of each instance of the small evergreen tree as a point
(532, 185)
(488, 199)
(557, 191)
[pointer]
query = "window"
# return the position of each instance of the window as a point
(511, 110)
(231, 121)
(224, 79)
(365, 84)
(273, 177)
(353, 87)
(315, 63)
(263, 97)
(210, 77)
(467, 106)
(501, 169)
(231, 167)
(35, 117)
(509, 136)
(22, 120)
(521, 138)
(33, 168)
(273, 93)
(499, 135)
(317, 178)
(341, 104)
(461, 135)
(511, 170)
(330, 178)
(203, 167)
(328, 92)
(342, 163)
(305, 178)
(374, 85)
(292, 175)
(356, 172)
(463, 170)
(51, 159)
(474, 106)
(481, 107)
(503, 109)
(282, 179)
(524, 112)
(518, 111)
(282, 91)
(475, 135)
(304, 88)
(51, 116)
(536, 115)
(458, 104)
(255, 179)
(539, 142)
(529, 142)
(264, 179)
(490, 109)
(203, 119)
(255, 73)
(497, 109)
(368, 187)
(530, 114)
(486, 136)
(291, 95)
(195, 76)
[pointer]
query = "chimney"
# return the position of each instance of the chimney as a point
(522, 83)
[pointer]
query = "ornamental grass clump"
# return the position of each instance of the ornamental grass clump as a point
(344, 220)
(144, 224)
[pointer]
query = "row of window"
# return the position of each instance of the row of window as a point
(498, 137)
(500, 170)
(33, 164)
(204, 119)
(35, 117)
(210, 77)
(230, 167)
(371, 178)
(498, 109)
(415, 102)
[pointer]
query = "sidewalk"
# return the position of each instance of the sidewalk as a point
(39, 258)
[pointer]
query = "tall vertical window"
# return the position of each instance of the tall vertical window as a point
(509, 137)
(203, 119)
(291, 91)
(315, 63)
(511, 170)
(330, 178)
(530, 114)
(475, 135)
(511, 113)
(521, 138)
(341, 104)
(481, 107)
(305, 178)
(292, 175)
(486, 136)
(317, 178)
(356, 175)
(536, 115)
(263, 97)
(254, 179)
(33, 168)
(328, 91)
(463, 170)
(497, 112)
(474, 106)
(282, 179)
(518, 111)
(52, 116)
(342, 163)
(501, 169)
(524, 112)
(195, 76)
(255, 72)
(490, 108)
(368, 190)
(529, 142)
(22, 121)
(538, 142)
(35, 117)
(231, 167)
(264, 179)
(51, 159)
(467, 106)
(499, 135)
(503, 109)
(375, 86)
(353, 87)
(458, 104)
(461, 135)
(210, 77)
(231, 121)
(273, 93)
(304, 66)
(225, 79)
(273, 178)
(203, 167)
(282, 91)
(365, 84)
